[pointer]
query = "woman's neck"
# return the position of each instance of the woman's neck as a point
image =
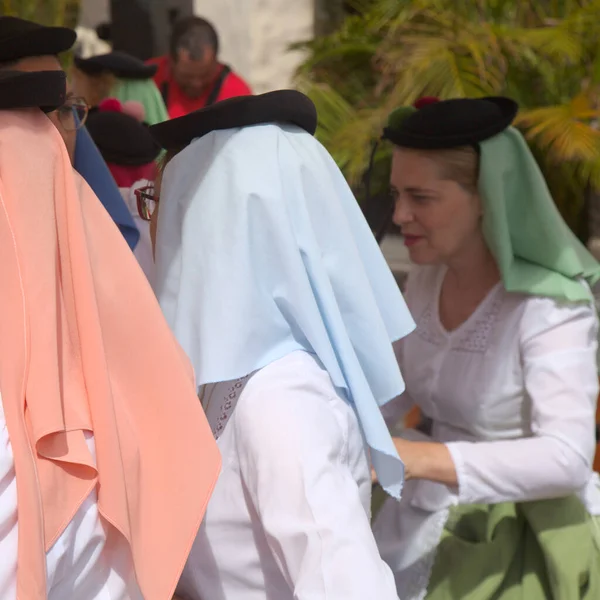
(469, 278)
(474, 267)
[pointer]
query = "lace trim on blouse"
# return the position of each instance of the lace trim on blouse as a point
(474, 338)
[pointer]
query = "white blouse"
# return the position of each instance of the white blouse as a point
(512, 391)
(289, 518)
(88, 561)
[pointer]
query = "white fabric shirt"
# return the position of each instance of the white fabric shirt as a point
(89, 561)
(512, 392)
(289, 517)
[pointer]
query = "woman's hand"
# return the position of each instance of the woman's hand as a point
(427, 460)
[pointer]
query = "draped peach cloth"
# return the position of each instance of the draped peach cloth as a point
(84, 348)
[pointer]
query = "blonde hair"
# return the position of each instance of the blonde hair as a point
(457, 164)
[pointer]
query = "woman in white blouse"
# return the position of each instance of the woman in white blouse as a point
(274, 285)
(106, 460)
(501, 498)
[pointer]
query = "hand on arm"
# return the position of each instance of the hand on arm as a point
(427, 460)
(558, 345)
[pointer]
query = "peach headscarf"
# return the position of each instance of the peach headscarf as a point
(84, 347)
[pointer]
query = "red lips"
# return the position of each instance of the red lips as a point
(411, 240)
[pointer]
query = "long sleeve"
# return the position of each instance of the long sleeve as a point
(293, 438)
(558, 354)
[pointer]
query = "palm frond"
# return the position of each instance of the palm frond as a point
(564, 131)
(544, 53)
(554, 43)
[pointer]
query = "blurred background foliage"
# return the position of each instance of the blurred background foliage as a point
(47, 12)
(386, 53)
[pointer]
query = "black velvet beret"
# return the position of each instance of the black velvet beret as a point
(451, 123)
(283, 106)
(118, 63)
(41, 89)
(21, 39)
(121, 138)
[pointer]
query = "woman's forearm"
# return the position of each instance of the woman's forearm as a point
(427, 460)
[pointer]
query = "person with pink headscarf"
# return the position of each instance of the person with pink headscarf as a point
(106, 459)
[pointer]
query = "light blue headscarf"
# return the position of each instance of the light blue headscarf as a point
(262, 250)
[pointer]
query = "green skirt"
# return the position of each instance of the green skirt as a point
(543, 550)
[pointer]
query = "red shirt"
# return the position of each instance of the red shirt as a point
(178, 104)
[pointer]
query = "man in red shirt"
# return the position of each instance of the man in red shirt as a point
(191, 77)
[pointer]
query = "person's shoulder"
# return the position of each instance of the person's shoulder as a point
(288, 406)
(159, 61)
(162, 62)
(542, 313)
(292, 387)
(235, 85)
(297, 371)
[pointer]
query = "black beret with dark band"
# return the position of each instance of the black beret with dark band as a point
(121, 138)
(38, 89)
(120, 64)
(452, 123)
(283, 106)
(21, 39)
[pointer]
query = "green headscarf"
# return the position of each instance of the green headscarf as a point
(534, 248)
(145, 92)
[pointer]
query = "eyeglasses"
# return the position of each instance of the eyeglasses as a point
(73, 113)
(147, 201)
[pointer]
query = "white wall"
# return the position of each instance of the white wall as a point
(94, 12)
(232, 20)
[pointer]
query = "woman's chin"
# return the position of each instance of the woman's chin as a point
(422, 256)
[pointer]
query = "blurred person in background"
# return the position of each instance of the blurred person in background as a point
(122, 76)
(27, 46)
(191, 76)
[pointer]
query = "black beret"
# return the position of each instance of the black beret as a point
(283, 106)
(21, 39)
(121, 138)
(41, 89)
(452, 123)
(104, 32)
(118, 63)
